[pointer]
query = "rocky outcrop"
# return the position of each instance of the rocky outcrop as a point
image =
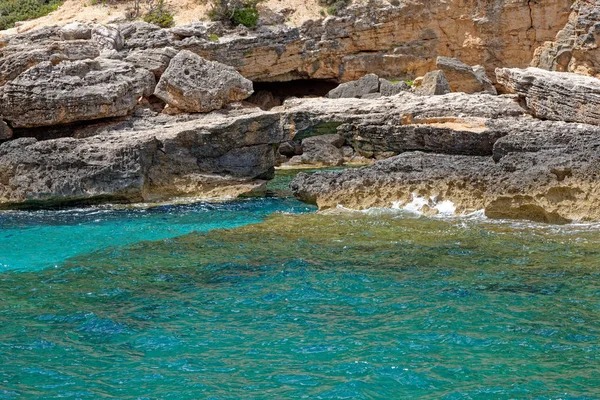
(149, 158)
(193, 84)
(576, 47)
(18, 58)
(76, 31)
(545, 171)
(49, 94)
(463, 78)
(455, 123)
(558, 96)
(154, 60)
(393, 41)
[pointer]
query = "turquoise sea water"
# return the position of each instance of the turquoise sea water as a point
(264, 299)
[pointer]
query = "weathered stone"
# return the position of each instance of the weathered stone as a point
(5, 131)
(14, 60)
(455, 123)
(559, 96)
(107, 37)
(463, 78)
(148, 159)
(76, 31)
(545, 171)
(576, 47)
(387, 88)
(434, 83)
(154, 60)
(290, 148)
(366, 85)
(323, 150)
(193, 84)
(73, 91)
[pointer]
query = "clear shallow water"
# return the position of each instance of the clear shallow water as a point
(354, 305)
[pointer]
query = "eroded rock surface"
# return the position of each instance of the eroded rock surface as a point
(193, 84)
(455, 123)
(50, 94)
(463, 78)
(558, 96)
(576, 47)
(545, 171)
(149, 158)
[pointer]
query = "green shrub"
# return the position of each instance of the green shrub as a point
(213, 37)
(235, 12)
(334, 6)
(159, 14)
(247, 16)
(12, 11)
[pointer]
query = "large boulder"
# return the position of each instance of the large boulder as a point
(559, 96)
(463, 78)
(154, 60)
(434, 83)
(76, 31)
(323, 150)
(193, 84)
(150, 158)
(368, 84)
(49, 94)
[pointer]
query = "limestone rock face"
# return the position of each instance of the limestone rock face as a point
(398, 42)
(50, 94)
(558, 96)
(193, 84)
(434, 83)
(148, 159)
(17, 59)
(576, 47)
(455, 123)
(463, 78)
(545, 171)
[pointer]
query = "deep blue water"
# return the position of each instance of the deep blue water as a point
(263, 298)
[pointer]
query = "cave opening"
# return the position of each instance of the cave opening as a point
(272, 94)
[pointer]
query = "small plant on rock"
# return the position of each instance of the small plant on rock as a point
(235, 12)
(159, 14)
(334, 6)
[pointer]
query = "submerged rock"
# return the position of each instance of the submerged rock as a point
(559, 96)
(49, 94)
(193, 84)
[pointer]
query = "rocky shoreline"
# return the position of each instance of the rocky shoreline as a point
(136, 113)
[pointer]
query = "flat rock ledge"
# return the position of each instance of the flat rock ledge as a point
(544, 171)
(148, 158)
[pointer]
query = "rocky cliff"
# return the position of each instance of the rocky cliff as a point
(133, 112)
